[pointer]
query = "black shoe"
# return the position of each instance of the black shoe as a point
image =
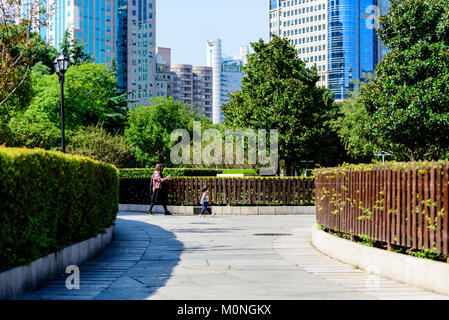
(168, 213)
(149, 213)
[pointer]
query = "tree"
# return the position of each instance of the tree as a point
(350, 125)
(149, 128)
(279, 92)
(407, 102)
(17, 43)
(98, 144)
(91, 98)
(74, 49)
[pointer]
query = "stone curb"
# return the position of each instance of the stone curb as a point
(418, 272)
(226, 210)
(19, 280)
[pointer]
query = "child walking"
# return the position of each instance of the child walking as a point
(205, 202)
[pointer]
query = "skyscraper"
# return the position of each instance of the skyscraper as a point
(304, 23)
(91, 22)
(164, 76)
(214, 61)
(193, 86)
(136, 57)
(338, 36)
(227, 75)
(108, 29)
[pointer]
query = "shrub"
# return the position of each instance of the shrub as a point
(139, 173)
(98, 144)
(192, 172)
(50, 200)
(241, 171)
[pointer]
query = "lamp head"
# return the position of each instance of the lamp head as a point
(61, 64)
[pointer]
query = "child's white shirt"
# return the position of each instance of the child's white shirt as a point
(204, 198)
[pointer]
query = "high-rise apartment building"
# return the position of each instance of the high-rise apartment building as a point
(164, 77)
(136, 44)
(193, 86)
(337, 36)
(92, 22)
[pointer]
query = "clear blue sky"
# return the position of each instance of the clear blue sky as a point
(185, 25)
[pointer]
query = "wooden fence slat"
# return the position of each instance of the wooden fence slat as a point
(426, 207)
(438, 218)
(413, 212)
(432, 206)
(409, 207)
(419, 200)
(445, 235)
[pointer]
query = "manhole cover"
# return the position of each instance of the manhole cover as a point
(272, 234)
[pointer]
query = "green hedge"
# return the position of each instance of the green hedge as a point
(139, 173)
(50, 200)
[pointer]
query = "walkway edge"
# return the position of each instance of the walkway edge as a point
(418, 272)
(226, 210)
(19, 280)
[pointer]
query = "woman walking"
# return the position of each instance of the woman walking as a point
(158, 194)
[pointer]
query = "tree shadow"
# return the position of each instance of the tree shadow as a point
(139, 260)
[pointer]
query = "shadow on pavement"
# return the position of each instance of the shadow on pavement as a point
(140, 260)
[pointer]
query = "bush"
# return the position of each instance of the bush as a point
(241, 171)
(50, 200)
(139, 173)
(192, 172)
(98, 144)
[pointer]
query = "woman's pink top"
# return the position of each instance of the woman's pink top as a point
(157, 180)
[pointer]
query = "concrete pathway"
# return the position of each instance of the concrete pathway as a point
(233, 257)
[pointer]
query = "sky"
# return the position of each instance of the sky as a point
(185, 25)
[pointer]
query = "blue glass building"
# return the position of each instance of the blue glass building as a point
(136, 58)
(337, 36)
(353, 44)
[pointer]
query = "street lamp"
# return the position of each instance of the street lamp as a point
(382, 154)
(61, 65)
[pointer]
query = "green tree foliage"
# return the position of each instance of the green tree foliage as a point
(74, 49)
(98, 144)
(407, 102)
(18, 44)
(149, 128)
(279, 92)
(90, 98)
(350, 125)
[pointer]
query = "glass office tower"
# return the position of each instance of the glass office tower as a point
(338, 36)
(353, 44)
(136, 57)
(91, 22)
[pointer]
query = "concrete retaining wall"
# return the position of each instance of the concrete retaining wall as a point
(19, 280)
(225, 210)
(427, 274)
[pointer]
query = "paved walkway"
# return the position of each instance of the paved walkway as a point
(233, 257)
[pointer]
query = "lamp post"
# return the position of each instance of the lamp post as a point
(382, 154)
(61, 65)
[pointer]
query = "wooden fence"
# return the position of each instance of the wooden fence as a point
(403, 204)
(288, 191)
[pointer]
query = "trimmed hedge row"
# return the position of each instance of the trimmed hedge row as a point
(139, 173)
(50, 200)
